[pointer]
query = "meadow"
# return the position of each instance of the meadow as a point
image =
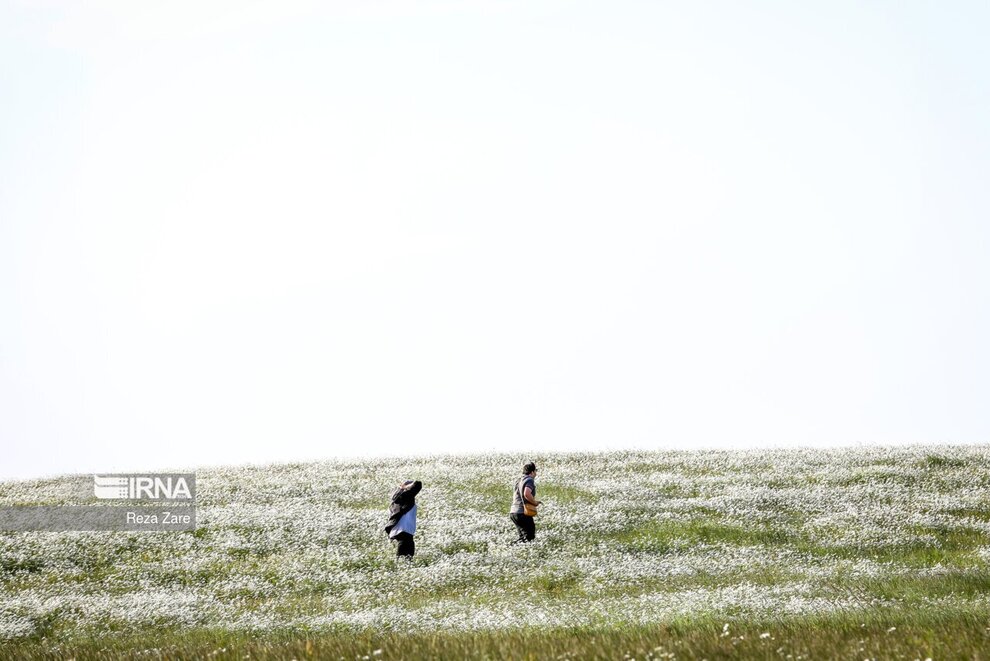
(867, 552)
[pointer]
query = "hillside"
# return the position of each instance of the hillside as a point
(777, 553)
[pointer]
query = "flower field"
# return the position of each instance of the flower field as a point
(871, 552)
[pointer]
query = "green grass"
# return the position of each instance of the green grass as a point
(891, 545)
(892, 634)
(980, 513)
(939, 461)
(949, 546)
(672, 535)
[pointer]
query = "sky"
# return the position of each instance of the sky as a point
(250, 232)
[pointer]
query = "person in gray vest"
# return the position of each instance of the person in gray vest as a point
(524, 504)
(401, 524)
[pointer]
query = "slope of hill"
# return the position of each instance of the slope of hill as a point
(776, 553)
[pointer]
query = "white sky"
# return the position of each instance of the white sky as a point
(243, 232)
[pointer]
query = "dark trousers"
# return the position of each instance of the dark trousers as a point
(525, 525)
(406, 544)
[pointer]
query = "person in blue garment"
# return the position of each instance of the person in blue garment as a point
(401, 526)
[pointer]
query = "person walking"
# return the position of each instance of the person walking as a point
(401, 525)
(524, 504)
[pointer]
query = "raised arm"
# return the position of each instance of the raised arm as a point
(407, 492)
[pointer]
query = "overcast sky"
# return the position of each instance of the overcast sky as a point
(265, 231)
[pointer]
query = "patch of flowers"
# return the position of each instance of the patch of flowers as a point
(658, 536)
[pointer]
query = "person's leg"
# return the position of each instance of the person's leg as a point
(530, 526)
(525, 526)
(520, 528)
(407, 547)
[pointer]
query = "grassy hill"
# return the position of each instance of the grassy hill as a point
(782, 554)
